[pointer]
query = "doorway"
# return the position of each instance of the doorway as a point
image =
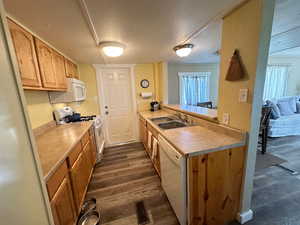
(117, 103)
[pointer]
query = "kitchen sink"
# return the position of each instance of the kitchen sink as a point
(161, 119)
(171, 125)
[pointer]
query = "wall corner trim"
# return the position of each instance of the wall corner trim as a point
(244, 217)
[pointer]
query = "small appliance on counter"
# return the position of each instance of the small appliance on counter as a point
(60, 115)
(154, 106)
(68, 115)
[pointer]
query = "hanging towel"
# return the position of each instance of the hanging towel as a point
(149, 139)
(154, 147)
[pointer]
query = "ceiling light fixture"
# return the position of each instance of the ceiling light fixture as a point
(183, 50)
(112, 48)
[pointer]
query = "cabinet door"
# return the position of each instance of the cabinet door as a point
(46, 62)
(62, 205)
(60, 70)
(89, 157)
(68, 65)
(26, 56)
(143, 134)
(157, 160)
(79, 178)
(75, 71)
(71, 69)
(93, 146)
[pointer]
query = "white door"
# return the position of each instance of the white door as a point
(117, 105)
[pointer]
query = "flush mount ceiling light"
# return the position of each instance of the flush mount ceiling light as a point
(112, 49)
(183, 50)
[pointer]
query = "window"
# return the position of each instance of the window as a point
(276, 81)
(194, 87)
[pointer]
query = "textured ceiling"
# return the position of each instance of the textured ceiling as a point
(149, 29)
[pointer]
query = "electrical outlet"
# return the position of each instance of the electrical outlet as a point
(226, 118)
(243, 95)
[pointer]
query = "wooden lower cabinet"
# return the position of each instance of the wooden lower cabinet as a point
(62, 205)
(144, 129)
(88, 154)
(68, 184)
(214, 186)
(79, 177)
(93, 145)
(143, 132)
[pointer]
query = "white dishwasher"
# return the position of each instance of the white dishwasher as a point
(173, 178)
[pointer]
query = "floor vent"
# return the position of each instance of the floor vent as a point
(142, 215)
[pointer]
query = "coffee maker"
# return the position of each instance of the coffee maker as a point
(154, 106)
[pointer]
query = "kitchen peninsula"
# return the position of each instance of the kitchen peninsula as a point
(212, 163)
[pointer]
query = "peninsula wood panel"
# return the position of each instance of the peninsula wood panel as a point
(215, 181)
(62, 205)
(23, 43)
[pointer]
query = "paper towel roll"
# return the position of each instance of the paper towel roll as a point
(146, 94)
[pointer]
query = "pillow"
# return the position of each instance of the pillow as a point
(275, 112)
(298, 107)
(291, 101)
(285, 108)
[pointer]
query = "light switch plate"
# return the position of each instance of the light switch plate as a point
(243, 95)
(226, 118)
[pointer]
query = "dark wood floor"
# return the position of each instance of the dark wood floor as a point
(276, 196)
(125, 176)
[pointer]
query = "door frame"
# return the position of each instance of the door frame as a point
(100, 90)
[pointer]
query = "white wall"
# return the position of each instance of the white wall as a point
(293, 85)
(173, 79)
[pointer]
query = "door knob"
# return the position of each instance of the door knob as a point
(106, 112)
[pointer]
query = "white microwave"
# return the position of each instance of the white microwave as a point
(76, 92)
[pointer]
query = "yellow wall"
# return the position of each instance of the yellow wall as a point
(90, 105)
(241, 30)
(39, 108)
(151, 72)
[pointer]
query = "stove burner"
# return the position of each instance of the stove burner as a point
(87, 118)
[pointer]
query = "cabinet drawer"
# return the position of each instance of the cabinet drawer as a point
(85, 139)
(74, 154)
(55, 180)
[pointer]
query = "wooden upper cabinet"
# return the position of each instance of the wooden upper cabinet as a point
(62, 205)
(46, 63)
(71, 69)
(23, 43)
(60, 71)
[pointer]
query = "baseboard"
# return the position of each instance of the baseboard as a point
(244, 217)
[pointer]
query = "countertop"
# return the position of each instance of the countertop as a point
(196, 140)
(201, 112)
(56, 143)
